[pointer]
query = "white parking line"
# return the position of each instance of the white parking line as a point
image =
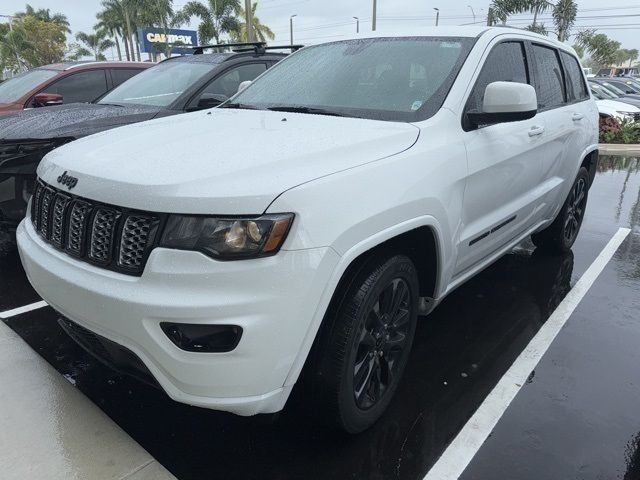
(463, 448)
(24, 309)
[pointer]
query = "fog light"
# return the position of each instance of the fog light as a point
(203, 338)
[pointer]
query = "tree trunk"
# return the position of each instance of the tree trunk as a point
(137, 46)
(535, 16)
(118, 47)
(126, 47)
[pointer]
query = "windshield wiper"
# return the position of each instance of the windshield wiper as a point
(242, 106)
(310, 110)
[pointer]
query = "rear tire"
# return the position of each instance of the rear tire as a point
(560, 236)
(364, 344)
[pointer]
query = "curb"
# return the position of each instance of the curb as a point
(609, 148)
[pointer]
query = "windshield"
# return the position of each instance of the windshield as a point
(600, 92)
(613, 88)
(399, 79)
(158, 86)
(16, 87)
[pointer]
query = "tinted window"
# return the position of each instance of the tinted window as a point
(401, 79)
(576, 89)
(121, 75)
(227, 84)
(80, 87)
(505, 63)
(549, 83)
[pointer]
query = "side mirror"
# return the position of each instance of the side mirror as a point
(506, 102)
(243, 85)
(47, 99)
(210, 100)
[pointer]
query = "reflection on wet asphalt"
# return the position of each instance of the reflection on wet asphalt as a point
(586, 387)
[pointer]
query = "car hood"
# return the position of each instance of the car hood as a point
(614, 105)
(220, 161)
(74, 120)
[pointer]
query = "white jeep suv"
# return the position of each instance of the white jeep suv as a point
(310, 219)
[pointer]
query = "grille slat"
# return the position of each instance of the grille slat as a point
(108, 236)
(57, 224)
(102, 235)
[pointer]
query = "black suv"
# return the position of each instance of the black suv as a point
(176, 85)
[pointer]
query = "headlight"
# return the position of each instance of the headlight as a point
(227, 238)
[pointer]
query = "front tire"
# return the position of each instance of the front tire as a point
(365, 343)
(560, 236)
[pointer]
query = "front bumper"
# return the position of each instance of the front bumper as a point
(273, 299)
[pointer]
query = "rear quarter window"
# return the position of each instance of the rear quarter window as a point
(549, 82)
(576, 88)
(121, 75)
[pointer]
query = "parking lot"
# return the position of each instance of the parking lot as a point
(575, 416)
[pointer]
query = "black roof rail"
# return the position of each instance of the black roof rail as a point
(258, 47)
(199, 49)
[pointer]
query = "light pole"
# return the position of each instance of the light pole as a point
(291, 27)
(437, 15)
(373, 21)
(472, 13)
(357, 24)
(249, 21)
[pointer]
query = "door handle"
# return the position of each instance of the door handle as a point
(577, 117)
(535, 131)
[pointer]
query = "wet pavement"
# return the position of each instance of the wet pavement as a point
(575, 418)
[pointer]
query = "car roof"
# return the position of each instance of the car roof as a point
(82, 65)
(466, 31)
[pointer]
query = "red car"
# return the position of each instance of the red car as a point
(60, 83)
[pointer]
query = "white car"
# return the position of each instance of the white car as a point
(618, 110)
(298, 228)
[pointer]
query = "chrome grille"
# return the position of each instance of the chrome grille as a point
(111, 237)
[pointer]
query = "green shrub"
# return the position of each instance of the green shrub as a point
(614, 131)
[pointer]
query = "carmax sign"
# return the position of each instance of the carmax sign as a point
(155, 40)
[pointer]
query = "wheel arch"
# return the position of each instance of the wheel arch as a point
(406, 239)
(590, 162)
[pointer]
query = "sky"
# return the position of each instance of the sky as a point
(326, 20)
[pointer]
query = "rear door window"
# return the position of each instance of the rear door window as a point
(576, 88)
(121, 75)
(80, 87)
(549, 81)
(506, 63)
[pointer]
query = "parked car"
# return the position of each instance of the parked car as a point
(68, 82)
(618, 72)
(627, 85)
(308, 220)
(601, 92)
(618, 110)
(176, 85)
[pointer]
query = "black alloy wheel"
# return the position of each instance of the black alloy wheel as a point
(382, 340)
(364, 343)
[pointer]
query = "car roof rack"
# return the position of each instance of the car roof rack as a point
(258, 47)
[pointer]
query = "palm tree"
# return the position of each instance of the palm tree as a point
(564, 16)
(109, 22)
(119, 14)
(633, 55)
(217, 18)
(93, 44)
(537, 6)
(261, 32)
